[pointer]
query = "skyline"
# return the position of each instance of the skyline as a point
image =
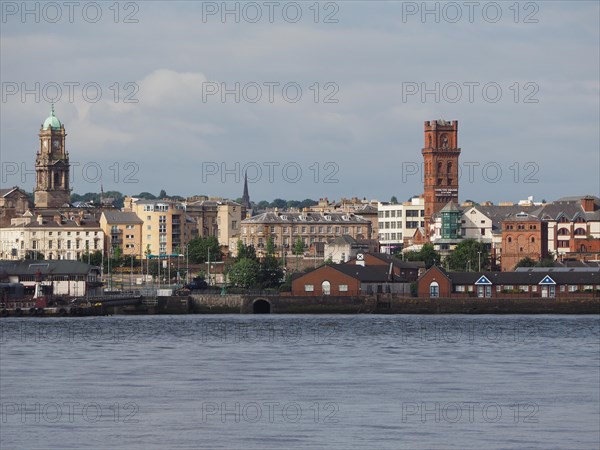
(375, 60)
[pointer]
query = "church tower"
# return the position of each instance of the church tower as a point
(440, 166)
(52, 166)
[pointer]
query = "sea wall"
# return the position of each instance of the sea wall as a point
(389, 304)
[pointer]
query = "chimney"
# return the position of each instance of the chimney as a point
(40, 219)
(57, 219)
(587, 203)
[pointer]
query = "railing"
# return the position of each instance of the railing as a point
(237, 291)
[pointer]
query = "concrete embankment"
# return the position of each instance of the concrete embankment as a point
(387, 304)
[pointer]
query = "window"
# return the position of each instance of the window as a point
(460, 288)
(434, 289)
(326, 287)
(343, 288)
(309, 288)
(524, 287)
(572, 288)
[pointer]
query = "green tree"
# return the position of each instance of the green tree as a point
(116, 258)
(245, 273)
(427, 254)
(95, 258)
(466, 256)
(34, 254)
(271, 272)
(278, 203)
(245, 251)
(162, 194)
(308, 202)
(298, 247)
(526, 262)
(146, 196)
(394, 200)
(263, 204)
(199, 248)
(270, 250)
(546, 262)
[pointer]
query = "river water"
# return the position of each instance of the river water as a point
(300, 382)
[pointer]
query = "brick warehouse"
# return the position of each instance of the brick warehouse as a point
(539, 282)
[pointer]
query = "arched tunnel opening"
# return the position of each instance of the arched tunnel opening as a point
(261, 307)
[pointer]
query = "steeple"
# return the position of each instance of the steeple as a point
(246, 196)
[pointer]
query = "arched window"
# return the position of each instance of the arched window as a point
(563, 232)
(439, 167)
(326, 287)
(582, 248)
(449, 167)
(532, 239)
(580, 232)
(434, 289)
(509, 240)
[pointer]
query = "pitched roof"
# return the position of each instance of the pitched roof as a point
(306, 217)
(121, 217)
(51, 267)
(526, 277)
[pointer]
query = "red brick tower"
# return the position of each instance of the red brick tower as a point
(440, 166)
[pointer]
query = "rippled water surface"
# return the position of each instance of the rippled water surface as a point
(298, 382)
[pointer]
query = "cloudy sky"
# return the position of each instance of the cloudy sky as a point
(314, 99)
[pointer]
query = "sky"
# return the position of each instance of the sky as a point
(311, 99)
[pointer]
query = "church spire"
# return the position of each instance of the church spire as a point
(246, 196)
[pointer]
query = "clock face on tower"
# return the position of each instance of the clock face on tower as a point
(55, 144)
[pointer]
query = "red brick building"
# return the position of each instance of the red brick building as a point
(440, 159)
(342, 280)
(523, 236)
(523, 283)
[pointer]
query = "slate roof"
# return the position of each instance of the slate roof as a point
(397, 261)
(306, 217)
(122, 217)
(53, 267)
(528, 277)
(368, 274)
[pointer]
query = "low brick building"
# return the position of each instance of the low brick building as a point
(407, 270)
(348, 280)
(537, 282)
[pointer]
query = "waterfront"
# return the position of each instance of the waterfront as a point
(298, 381)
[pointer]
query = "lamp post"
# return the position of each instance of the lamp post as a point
(187, 263)
(479, 260)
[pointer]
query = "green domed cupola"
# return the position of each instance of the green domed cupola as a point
(52, 121)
